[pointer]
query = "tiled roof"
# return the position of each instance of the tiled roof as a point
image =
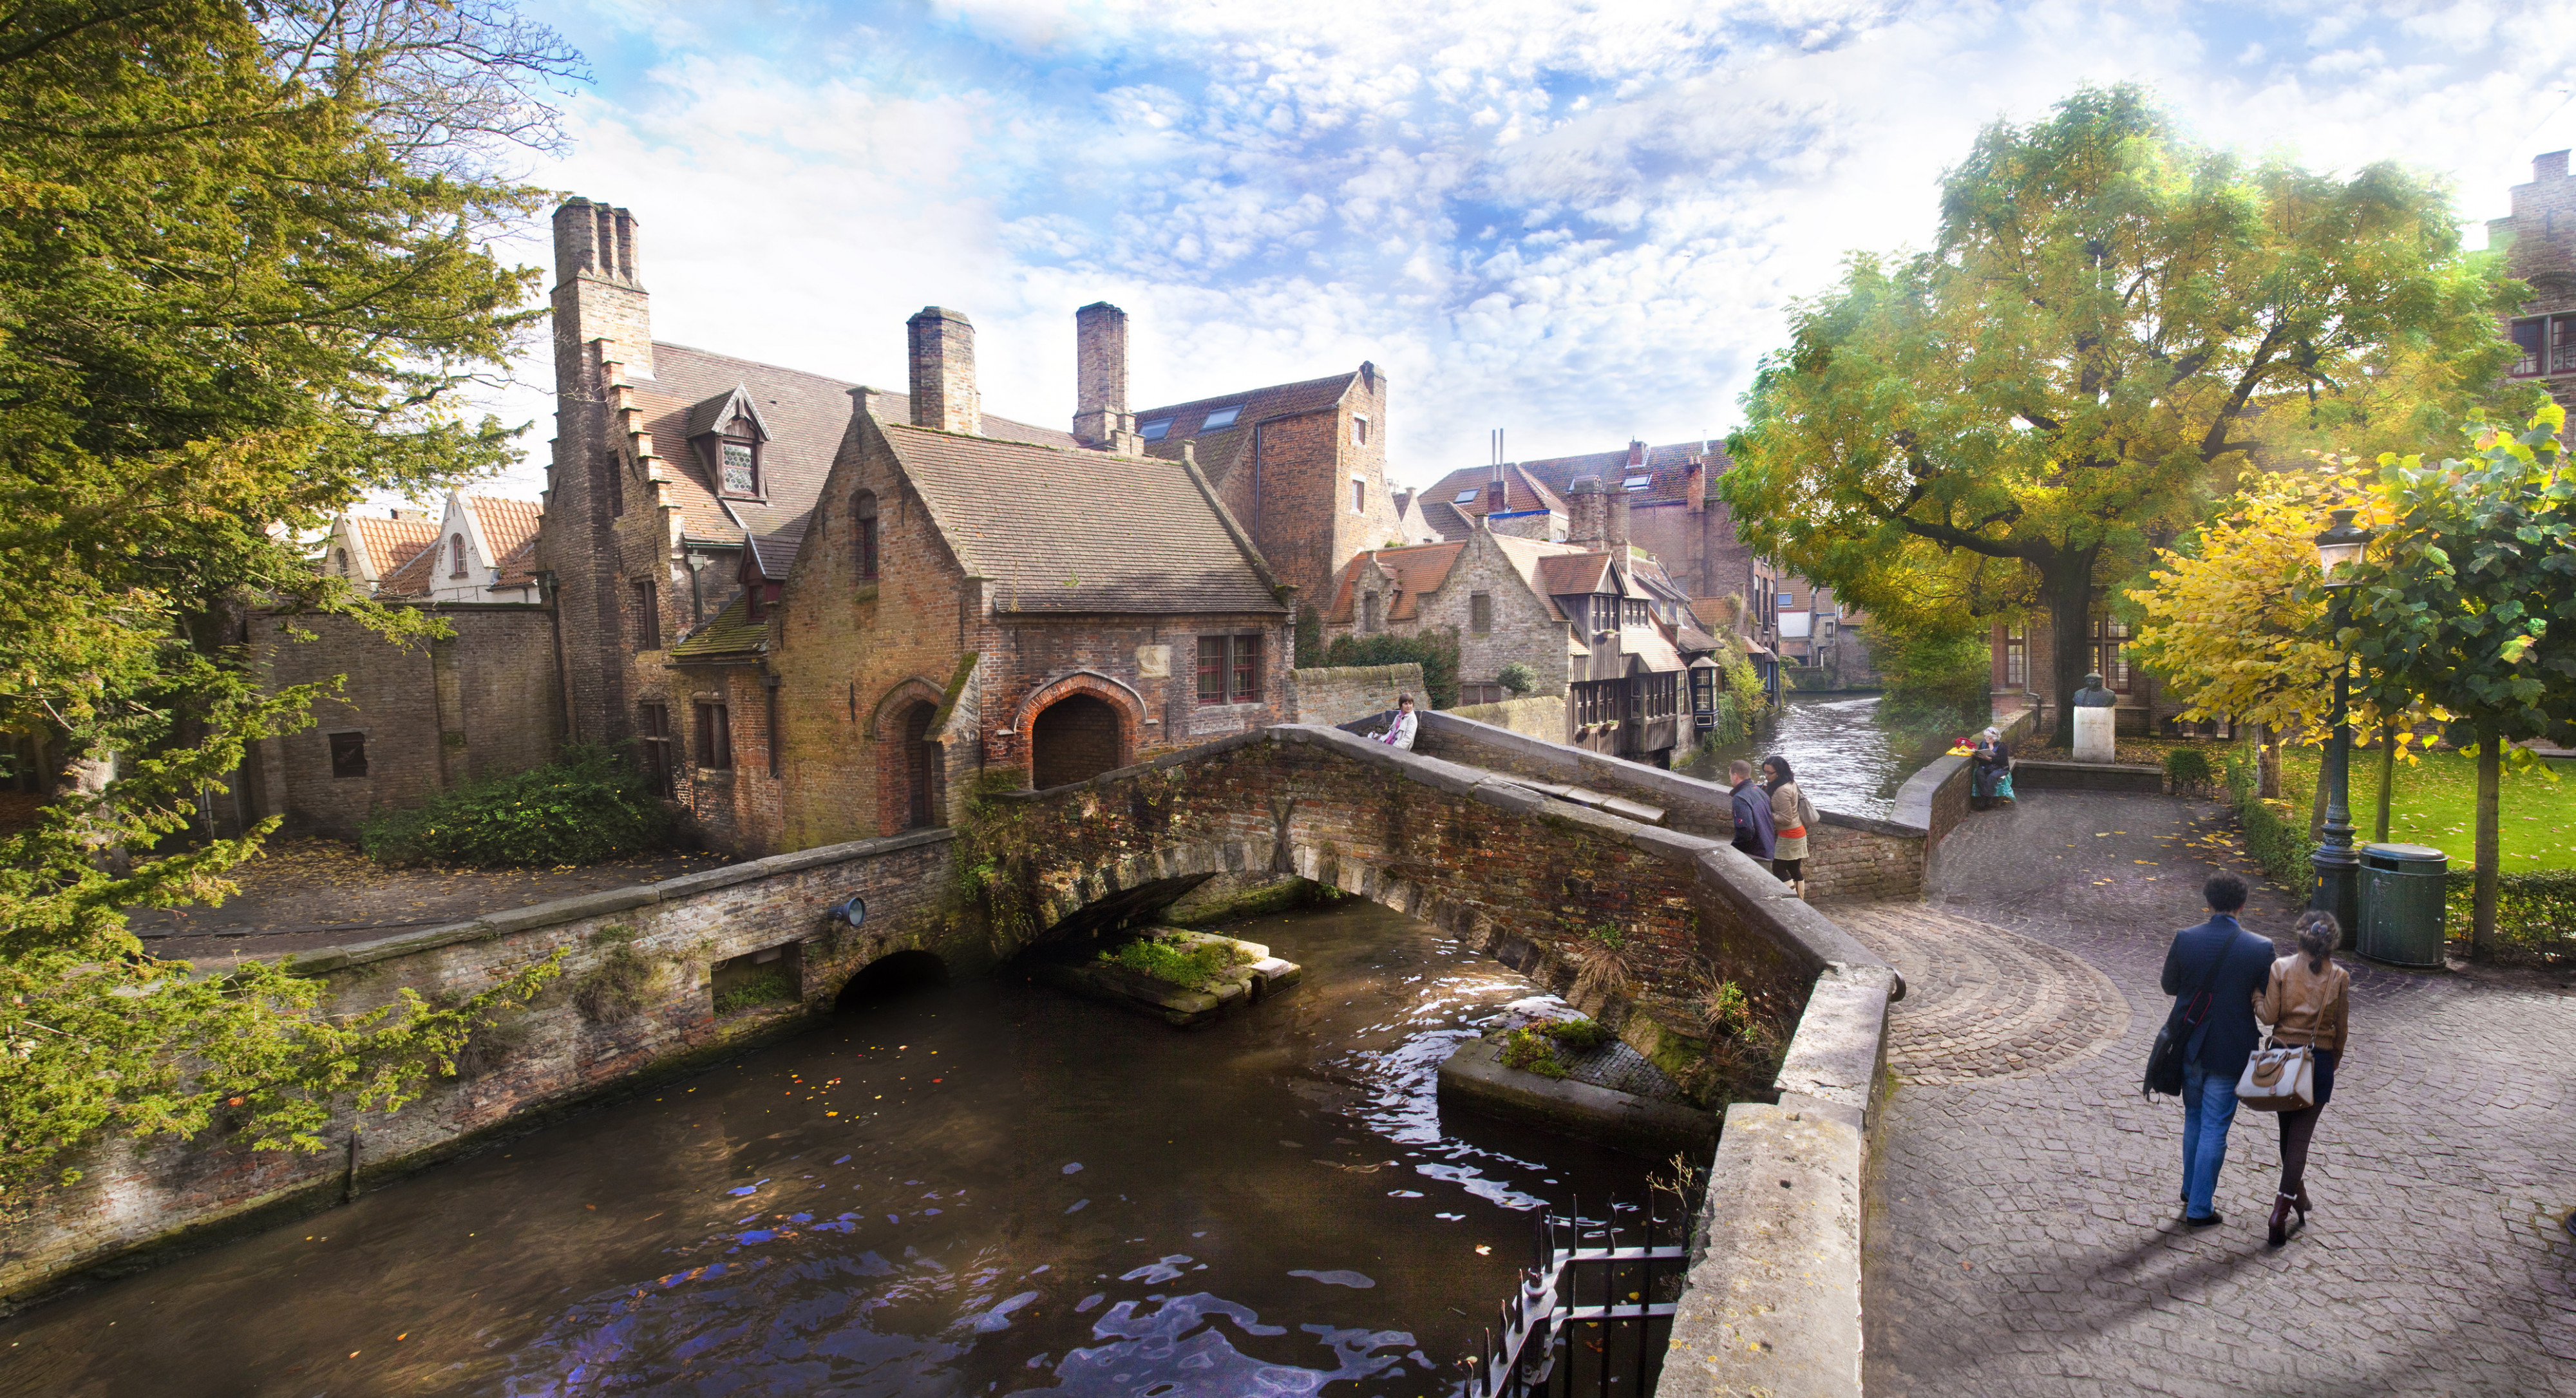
(1573, 573)
(806, 415)
(1443, 510)
(1421, 569)
(518, 567)
(733, 632)
(1078, 531)
(413, 578)
(505, 523)
(773, 554)
(390, 543)
(1667, 469)
(1217, 450)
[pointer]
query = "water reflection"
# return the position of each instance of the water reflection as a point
(980, 1189)
(1847, 760)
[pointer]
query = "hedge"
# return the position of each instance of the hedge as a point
(2275, 836)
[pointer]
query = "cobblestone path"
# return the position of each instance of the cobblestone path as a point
(2023, 1236)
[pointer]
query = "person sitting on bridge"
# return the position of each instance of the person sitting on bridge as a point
(1399, 733)
(1753, 828)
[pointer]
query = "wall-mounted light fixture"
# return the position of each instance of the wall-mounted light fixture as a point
(852, 910)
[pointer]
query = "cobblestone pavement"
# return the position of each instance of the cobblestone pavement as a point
(2023, 1236)
(1981, 1002)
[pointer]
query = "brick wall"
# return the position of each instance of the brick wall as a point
(1341, 694)
(131, 1197)
(483, 702)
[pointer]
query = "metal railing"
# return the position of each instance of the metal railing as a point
(1590, 1318)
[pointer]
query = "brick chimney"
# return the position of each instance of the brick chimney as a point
(1695, 484)
(1587, 514)
(599, 294)
(2551, 166)
(943, 372)
(1614, 530)
(1100, 417)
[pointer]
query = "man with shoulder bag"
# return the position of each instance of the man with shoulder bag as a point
(2213, 971)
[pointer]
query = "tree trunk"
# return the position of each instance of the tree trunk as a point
(2067, 587)
(2387, 776)
(2490, 788)
(2267, 761)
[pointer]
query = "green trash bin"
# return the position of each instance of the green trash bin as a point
(2401, 904)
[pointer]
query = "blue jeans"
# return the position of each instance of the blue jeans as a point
(2208, 1108)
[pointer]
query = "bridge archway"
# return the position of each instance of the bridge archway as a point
(890, 976)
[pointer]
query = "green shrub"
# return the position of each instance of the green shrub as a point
(621, 985)
(1191, 965)
(2187, 767)
(767, 988)
(584, 807)
(1531, 1052)
(2275, 837)
(2535, 914)
(1580, 1035)
(1436, 653)
(1517, 677)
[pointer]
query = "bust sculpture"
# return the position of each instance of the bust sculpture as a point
(2094, 696)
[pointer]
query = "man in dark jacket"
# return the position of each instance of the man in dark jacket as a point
(1753, 832)
(2235, 963)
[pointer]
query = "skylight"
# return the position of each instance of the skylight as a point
(1464, 496)
(1638, 482)
(1220, 419)
(1153, 431)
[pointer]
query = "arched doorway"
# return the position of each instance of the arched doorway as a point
(1074, 738)
(894, 974)
(920, 768)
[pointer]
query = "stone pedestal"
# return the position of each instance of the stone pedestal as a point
(2093, 735)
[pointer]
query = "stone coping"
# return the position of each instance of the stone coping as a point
(606, 900)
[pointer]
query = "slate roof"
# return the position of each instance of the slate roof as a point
(1218, 450)
(390, 543)
(771, 555)
(1079, 531)
(731, 633)
(806, 416)
(1415, 570)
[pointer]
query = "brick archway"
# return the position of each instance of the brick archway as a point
(911, 766)
(1126, 707)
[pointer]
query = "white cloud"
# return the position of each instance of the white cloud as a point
(1571, 222)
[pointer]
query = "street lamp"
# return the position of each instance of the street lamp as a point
(2337, 863)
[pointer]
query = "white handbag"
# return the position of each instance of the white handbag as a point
(2279, 1078)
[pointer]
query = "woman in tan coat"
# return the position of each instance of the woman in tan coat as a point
(2308, 1000)
(1788, 824)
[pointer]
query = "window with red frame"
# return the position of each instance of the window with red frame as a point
(1230, 669)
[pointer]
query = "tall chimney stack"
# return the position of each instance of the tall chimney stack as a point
(943, 372)
(1100, 417)
(599, 291)
(1614, 532)
(1587, 514)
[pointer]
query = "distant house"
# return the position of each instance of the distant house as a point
(484, 549)
(1595, 620)
(366, 550)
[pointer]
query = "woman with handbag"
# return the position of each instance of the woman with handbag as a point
(1990, 774)
(2307, 1001)
(1789, 816)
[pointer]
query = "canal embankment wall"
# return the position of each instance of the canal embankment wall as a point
(136, 1202)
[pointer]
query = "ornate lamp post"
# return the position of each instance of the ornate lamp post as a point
(2337, 863)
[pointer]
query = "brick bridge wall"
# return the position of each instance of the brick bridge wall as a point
(132, 1203)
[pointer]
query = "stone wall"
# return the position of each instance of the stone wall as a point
(1345, 693)
(1539, 716)
(485, 701)
(133, 1201)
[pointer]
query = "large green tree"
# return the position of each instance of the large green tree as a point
(2469, 599)
(245, 275)
(2113, 323)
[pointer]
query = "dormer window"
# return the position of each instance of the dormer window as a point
(740, 471)
(728, 433)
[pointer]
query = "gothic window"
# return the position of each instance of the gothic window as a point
(344, 561)
(866, 511)
(1480, 613)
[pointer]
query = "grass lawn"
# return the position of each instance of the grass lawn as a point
(2436, 804)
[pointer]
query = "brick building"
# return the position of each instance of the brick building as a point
(1672, 514)
(824, 611)
(1596, 620)
(2538, 240)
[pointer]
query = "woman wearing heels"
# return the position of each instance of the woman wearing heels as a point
(2308, 1000)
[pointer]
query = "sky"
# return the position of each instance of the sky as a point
(1576, 223)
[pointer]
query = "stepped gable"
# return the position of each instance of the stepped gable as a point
(1059, 530)
(805, 416)
(390, 543)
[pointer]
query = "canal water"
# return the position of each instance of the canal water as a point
(1846, 758)
(984, 1188)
